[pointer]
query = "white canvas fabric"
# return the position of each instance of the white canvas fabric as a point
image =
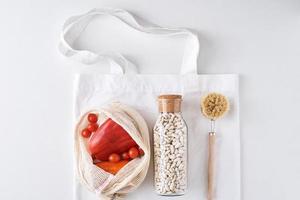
(124, 84)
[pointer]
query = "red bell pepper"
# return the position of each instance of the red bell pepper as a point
(109, 138)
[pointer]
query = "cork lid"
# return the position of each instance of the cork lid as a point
(169, 103)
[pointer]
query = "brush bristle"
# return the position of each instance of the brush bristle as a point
(214, 105)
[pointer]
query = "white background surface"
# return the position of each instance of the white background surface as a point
(258, 39)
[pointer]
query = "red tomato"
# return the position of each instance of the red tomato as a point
(114, 157)
(92, 118)
(133, 152)
(92, 127)
(86, 133)
(141, 151)
(125, 156)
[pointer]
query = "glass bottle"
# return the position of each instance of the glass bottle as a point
(170, 147)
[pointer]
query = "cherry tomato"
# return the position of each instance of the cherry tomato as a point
(92, 118)
(141, 151)
(86, 133)
(133, 152)
(92, 127)
(114, 157)
(125, 156)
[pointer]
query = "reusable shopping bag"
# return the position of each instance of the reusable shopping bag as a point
(132, 174)
(126, 85)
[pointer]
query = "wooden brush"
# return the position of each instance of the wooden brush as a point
(213, 106)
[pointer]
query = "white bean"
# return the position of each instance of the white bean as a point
(170, 154)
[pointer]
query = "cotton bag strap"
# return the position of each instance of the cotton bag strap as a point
(75, 25)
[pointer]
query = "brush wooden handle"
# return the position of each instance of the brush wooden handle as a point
(211, 163)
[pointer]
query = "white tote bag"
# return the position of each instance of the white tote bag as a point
(124, 84)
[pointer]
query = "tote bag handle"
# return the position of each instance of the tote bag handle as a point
(75, 25)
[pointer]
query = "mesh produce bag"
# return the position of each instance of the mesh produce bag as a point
(102, 183)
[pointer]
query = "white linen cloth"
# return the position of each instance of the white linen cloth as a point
(124, 84)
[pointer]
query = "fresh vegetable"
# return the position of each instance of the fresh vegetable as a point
(86, 133)
(141, 151)
(92, 118)
(92, 127)
(111, 167)
(109, 138)
(133, 152)
(114, 157)
(125, 156)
